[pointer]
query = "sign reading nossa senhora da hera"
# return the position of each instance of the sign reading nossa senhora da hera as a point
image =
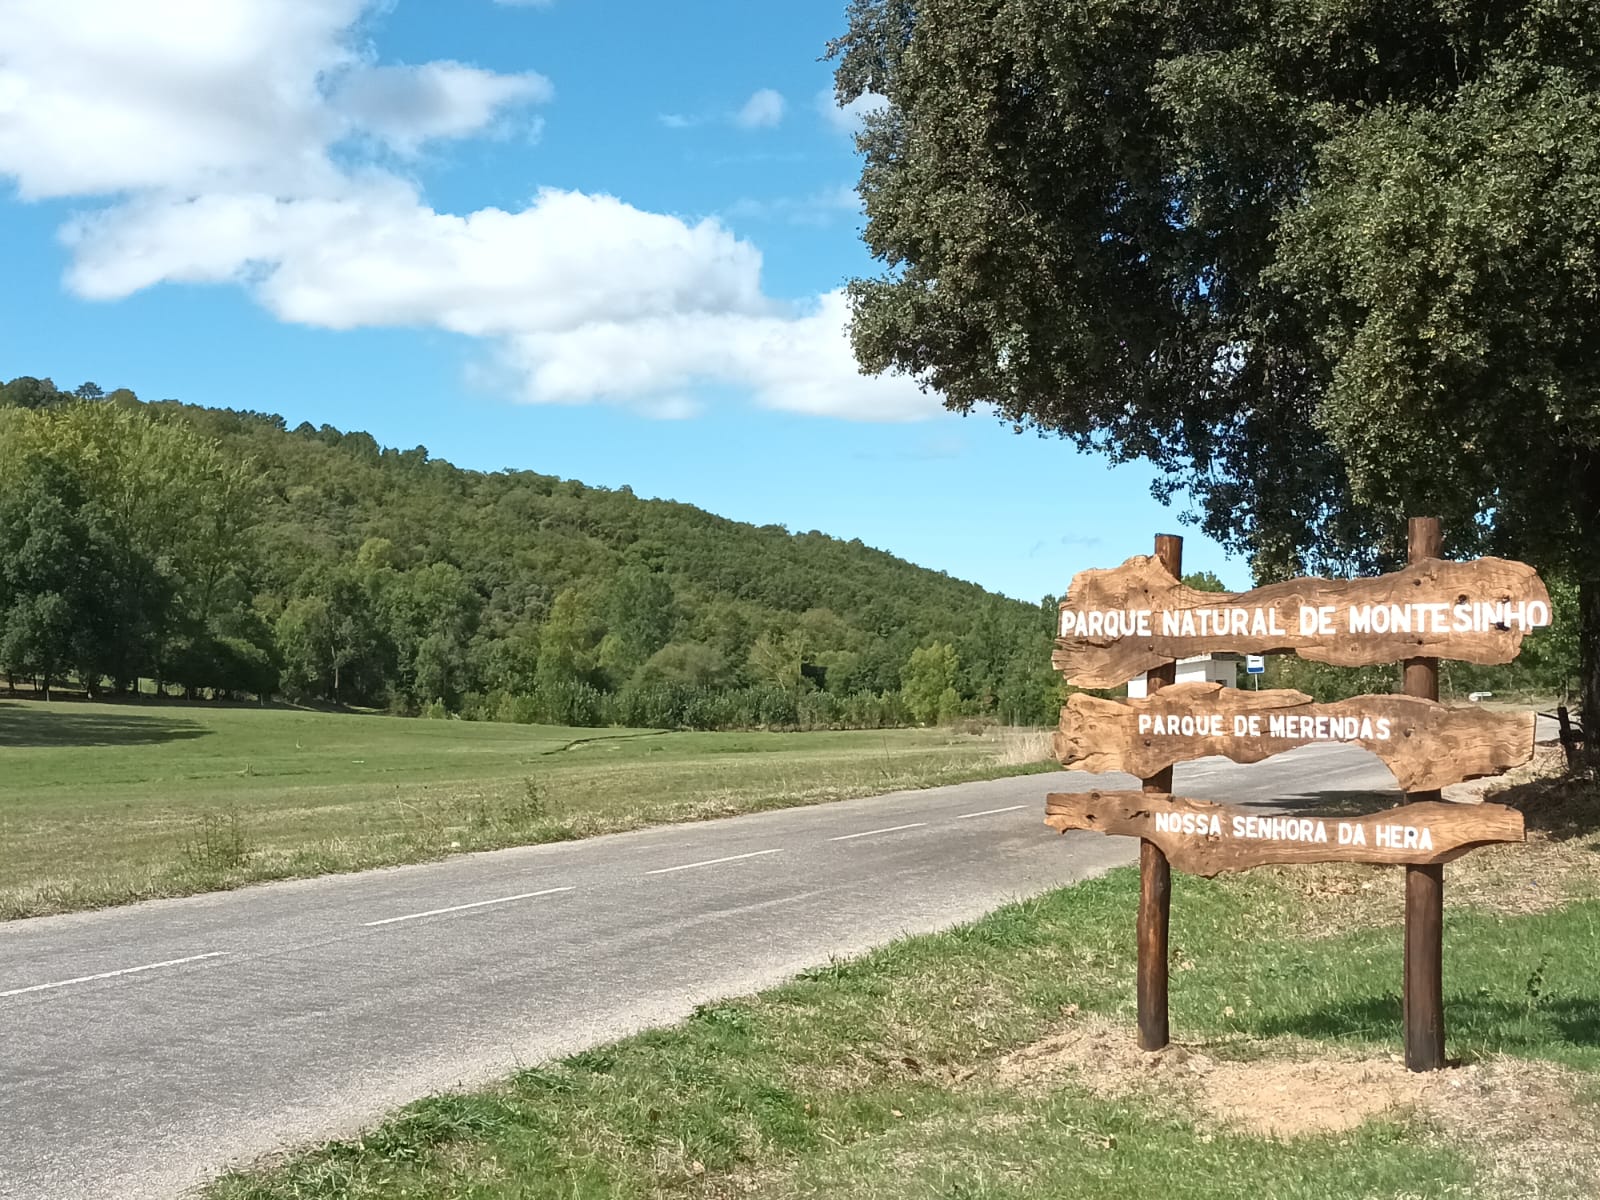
(1118, 623)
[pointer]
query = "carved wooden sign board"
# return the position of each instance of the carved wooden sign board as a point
(1425, 744)
(1207, 839)
(1117, 623)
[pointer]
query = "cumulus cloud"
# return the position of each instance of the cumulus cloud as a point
(101, 96)
(791, 361)
(244, 142)
(764, 110)
(406, 106)
(848, 118)
(380, 256)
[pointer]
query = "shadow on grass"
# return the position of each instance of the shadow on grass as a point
(35, 724)
(1485, 1022)
(1565, 807)
(1347, 802)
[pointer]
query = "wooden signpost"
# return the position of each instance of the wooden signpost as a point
(1139, 617)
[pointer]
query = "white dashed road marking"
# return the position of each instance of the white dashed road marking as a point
(711, 862)
(434, 912)
(989, 812)
(171, 962)
(868, 833)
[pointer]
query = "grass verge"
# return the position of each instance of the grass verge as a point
(992, 1062)
(108, 804)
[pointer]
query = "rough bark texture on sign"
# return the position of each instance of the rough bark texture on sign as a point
(1428, 745)
(1102, 661)
(1244, 842)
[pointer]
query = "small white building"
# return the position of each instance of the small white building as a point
(1203, 668)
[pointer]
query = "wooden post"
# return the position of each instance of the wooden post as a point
(1155, 873)
(1422, 1002)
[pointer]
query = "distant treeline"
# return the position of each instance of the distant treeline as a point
(221, 554)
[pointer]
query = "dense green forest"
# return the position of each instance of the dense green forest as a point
(222, 554)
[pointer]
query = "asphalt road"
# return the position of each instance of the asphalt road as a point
(144, 1049)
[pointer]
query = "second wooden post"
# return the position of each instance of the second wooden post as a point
(1422, 991)
(1155, 873)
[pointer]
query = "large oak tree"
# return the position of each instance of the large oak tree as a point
(1327, 263)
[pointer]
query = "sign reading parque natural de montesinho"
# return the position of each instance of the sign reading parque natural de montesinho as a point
(1118, 623)
(1479, 616)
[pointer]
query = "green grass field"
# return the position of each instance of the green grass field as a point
(994, 1062)
(105, 804)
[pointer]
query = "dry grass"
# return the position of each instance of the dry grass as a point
(1024, 747)
(1521, 1121)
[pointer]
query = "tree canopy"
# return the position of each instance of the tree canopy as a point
(1326, 264)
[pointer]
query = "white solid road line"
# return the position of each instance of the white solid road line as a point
(171, 962)
(711, 862)
(868, 833)
(989, 812)
(434, 912)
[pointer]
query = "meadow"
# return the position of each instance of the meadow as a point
(104, 804)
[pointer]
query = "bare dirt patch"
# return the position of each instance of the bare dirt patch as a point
(1521, 1121)
(1278, 1097)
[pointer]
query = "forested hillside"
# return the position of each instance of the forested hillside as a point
(222, 553)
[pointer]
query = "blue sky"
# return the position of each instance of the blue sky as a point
(602, 239)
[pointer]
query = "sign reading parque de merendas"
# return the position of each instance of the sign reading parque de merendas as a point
(1202, 838)
(1117, 623)
(1425, 744)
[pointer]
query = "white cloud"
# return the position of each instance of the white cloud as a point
(794, 362)
(99, 96)
(242, 142)
(848, 118)
(764, 110)
(102, 96)
(379, 256)
(406, 106)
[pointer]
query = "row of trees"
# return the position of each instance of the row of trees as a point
(222, 554)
